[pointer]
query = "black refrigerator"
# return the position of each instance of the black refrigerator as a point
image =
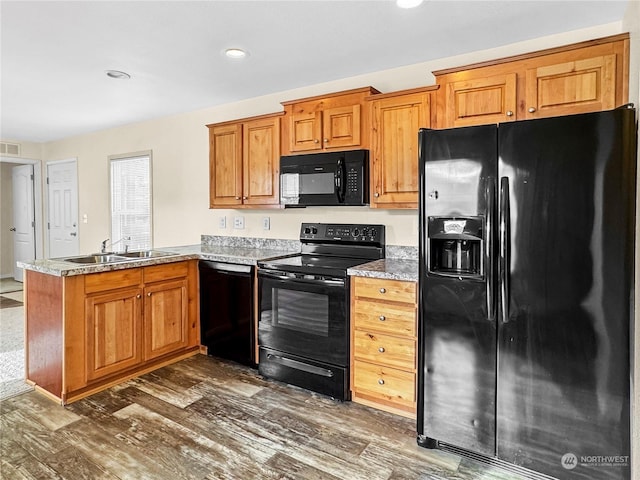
(526, 252)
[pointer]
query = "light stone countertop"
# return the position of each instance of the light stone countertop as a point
(389, 268)
(244, 255)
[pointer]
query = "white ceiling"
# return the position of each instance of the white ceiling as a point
(54, 54)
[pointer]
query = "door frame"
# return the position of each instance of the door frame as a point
(37, 200)
(49, 163)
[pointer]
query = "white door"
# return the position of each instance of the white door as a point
(24, 221)
(63, 208)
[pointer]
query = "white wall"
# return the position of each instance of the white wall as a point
(180, 159)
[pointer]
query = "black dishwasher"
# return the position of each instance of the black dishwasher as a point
(226, 311)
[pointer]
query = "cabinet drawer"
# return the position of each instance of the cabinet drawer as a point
(385, 317)
(106, 281)
(383, 289)
(385, 383)
(166, 271)
(384, 349)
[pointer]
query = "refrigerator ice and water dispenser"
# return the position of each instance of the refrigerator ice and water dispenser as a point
(455, 246)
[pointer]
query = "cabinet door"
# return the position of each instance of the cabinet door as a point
(113, 332)
(225, 165)
(165, 317)
(341, 127)
(567, 88)
(483, 100)
(261, 160)
(395, 124)
(305, 131)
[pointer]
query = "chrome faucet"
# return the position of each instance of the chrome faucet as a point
(103, 245)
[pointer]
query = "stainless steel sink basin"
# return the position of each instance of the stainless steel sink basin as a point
(145, 254)
(96, 259)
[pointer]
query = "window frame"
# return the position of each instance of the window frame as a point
(130, 156)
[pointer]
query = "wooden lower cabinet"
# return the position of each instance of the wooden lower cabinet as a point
(383, 344)
(112, 326)
(114, 332)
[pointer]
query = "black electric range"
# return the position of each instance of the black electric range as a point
(303, 328)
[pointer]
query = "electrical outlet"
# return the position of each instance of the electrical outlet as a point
(222, 223)
(266, 223)
(238, 222)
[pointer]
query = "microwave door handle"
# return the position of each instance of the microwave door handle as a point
(339, 180)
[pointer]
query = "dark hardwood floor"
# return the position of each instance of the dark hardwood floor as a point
(207, 419)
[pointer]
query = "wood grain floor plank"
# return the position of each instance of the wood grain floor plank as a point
(204, 418)
(71, 464)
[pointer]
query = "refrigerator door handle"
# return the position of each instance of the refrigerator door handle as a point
(488, 247)
(504, 247)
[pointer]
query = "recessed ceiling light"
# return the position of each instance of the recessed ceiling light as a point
(408, 3)
(235, 53)
(118, 74)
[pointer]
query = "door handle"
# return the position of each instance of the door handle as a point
(504, 247)
(12, 229)
(73, 234)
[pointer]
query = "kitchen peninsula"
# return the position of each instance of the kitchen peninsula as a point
(91, 326)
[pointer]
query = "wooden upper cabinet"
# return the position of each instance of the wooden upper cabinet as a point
(571, 87)
(481, 100)
(261, 161)
(579, 78)
(225, 165)
(395, 121)
(327, 122)
(244, 159)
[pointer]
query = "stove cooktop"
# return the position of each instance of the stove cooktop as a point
(330, 249)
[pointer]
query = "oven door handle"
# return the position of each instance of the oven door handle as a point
(305, 367)
(338, 282)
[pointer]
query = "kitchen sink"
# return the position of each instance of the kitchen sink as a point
(96, 259)
(105, 258)
(145, 254)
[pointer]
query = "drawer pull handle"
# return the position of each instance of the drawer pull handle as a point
(381, 349)
(383, 290)
(382, 318)
(380, 381)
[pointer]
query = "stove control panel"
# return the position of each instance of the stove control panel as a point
(342, 232)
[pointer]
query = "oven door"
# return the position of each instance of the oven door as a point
(304, 315)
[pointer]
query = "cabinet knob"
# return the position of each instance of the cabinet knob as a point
(244, 198)
(326, 140)
(532, 109)
(376, 194)
(138, 296)
(316, 140)
(383, 290)
(382, 318)
(149, 294)
(381, 349)
(380, 381)
(237, 198)
(509, 113)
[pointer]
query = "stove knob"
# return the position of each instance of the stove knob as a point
(365, 232)
(307, 230)
(314, 230)
(356, 232)
(374, 232)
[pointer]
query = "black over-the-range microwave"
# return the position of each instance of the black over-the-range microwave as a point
(325, 179)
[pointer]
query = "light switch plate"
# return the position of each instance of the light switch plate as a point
(266, 223)
(238, 222)
(222, 222)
